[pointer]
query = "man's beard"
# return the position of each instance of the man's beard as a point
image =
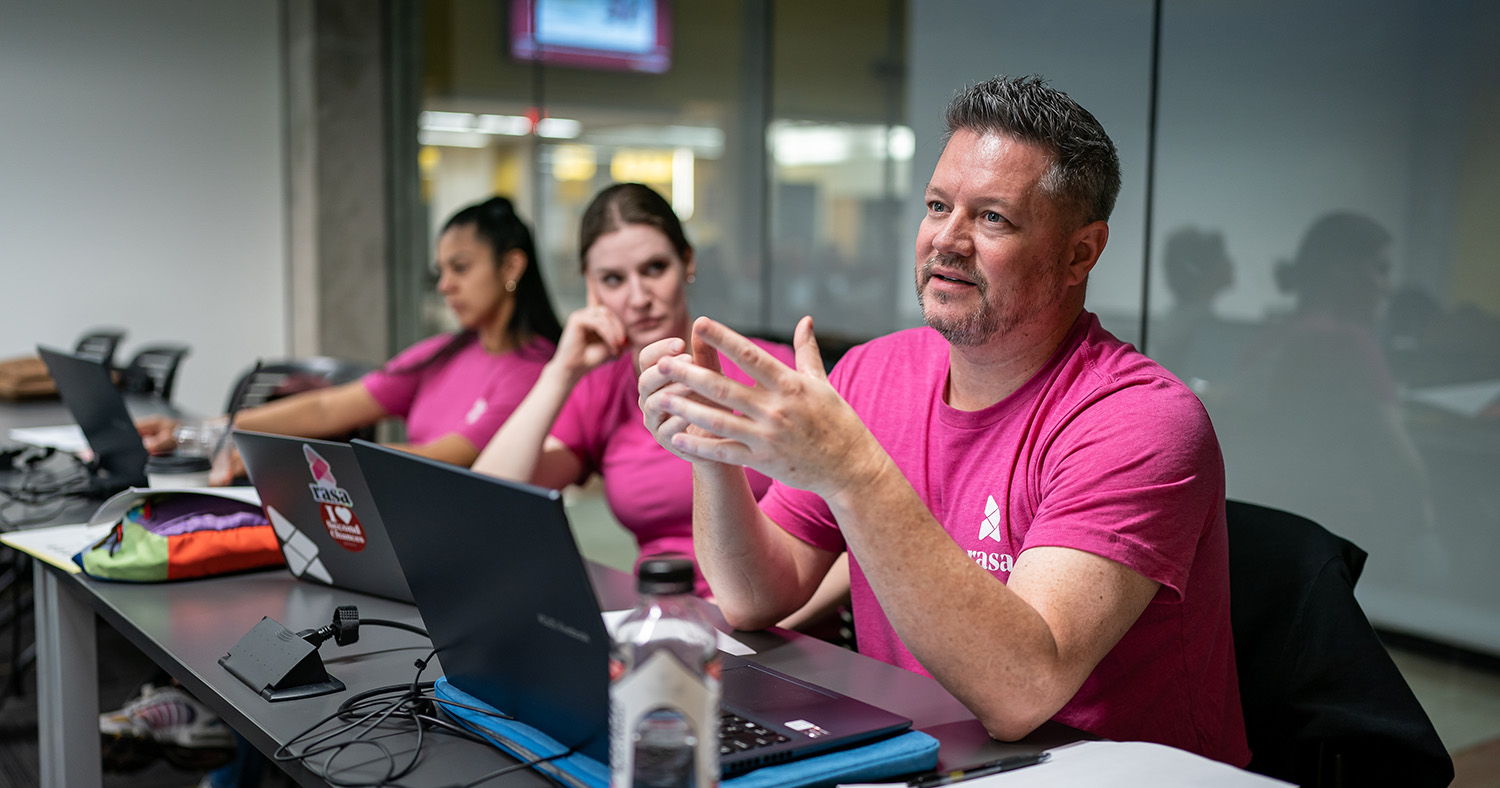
(974, 328)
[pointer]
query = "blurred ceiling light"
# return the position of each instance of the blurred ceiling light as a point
(558, 128)
(901, 143)
(706, 142)
(682, 183)
(509, 125)
(446, 121)
(796, 144)
(643, 166)
(573, 162)
(468, 123)
(453, 139)
(803, 145)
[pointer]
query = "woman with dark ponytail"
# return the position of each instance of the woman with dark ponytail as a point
(453, 390)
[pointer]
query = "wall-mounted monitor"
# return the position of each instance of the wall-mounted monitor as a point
(617, 35)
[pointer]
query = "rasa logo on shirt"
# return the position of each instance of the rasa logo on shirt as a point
(990, 527)
(334, 504)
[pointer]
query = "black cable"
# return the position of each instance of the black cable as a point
(516, 767)
(381, 622)
(380, 713)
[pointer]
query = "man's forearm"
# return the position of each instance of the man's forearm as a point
(754, 571)
(1013, 654)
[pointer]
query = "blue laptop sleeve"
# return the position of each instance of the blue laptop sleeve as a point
(910, 753)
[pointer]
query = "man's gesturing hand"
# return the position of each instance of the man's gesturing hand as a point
(653, 385)
(791, 425)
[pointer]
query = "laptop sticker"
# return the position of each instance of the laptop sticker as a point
(300, 552)
(334, 503)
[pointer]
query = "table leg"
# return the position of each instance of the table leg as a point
(67, 672)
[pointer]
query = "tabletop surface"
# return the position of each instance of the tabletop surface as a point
(186, 626)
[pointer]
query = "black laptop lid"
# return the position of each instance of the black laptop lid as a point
(90, 395)
(524, 636)
(326, 521)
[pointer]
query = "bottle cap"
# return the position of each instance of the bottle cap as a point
(665, 575)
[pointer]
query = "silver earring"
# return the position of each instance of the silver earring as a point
(510, 286)
(692, 278)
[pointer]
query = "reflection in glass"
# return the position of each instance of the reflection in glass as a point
(1313, 421)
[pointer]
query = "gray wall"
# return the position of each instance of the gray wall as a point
(141, 162)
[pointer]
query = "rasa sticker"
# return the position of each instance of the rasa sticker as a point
(334, 503)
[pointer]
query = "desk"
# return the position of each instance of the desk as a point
(185, 627)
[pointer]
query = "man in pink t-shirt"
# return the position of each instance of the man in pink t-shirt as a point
(1034, 511)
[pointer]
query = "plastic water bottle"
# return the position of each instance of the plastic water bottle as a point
(664, 686)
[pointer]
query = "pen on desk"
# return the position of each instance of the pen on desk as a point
(993, 767)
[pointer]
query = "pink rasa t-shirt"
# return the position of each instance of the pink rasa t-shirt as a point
(471, 394)
(1101, 451)
(649, 489)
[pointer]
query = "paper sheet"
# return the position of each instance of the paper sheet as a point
(1119, 764)
(56, 545)
(727, 644)
(64, 437)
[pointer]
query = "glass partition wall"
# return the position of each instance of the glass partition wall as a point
(1300, 237)
(1325, 177)
(750, 141)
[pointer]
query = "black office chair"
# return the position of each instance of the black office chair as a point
(99, 344)
(277, 379)
(153, 371)
(1325, 706)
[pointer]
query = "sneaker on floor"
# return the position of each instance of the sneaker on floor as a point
(181, 728)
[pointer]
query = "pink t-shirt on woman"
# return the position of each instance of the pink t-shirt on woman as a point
(649, 489)
(1101, 451)
(471, 394)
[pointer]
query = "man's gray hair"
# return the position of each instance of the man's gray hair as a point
(1085, 173)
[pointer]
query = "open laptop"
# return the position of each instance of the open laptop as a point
(320, 507)
(89, 392)
(506, 597)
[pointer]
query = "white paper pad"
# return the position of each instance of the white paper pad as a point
(727, 644)
(1121, 764)
(64, 437)
(57, 545)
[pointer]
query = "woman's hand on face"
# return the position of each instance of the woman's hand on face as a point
(592, 336)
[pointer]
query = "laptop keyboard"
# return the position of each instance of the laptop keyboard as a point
(737, 734)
